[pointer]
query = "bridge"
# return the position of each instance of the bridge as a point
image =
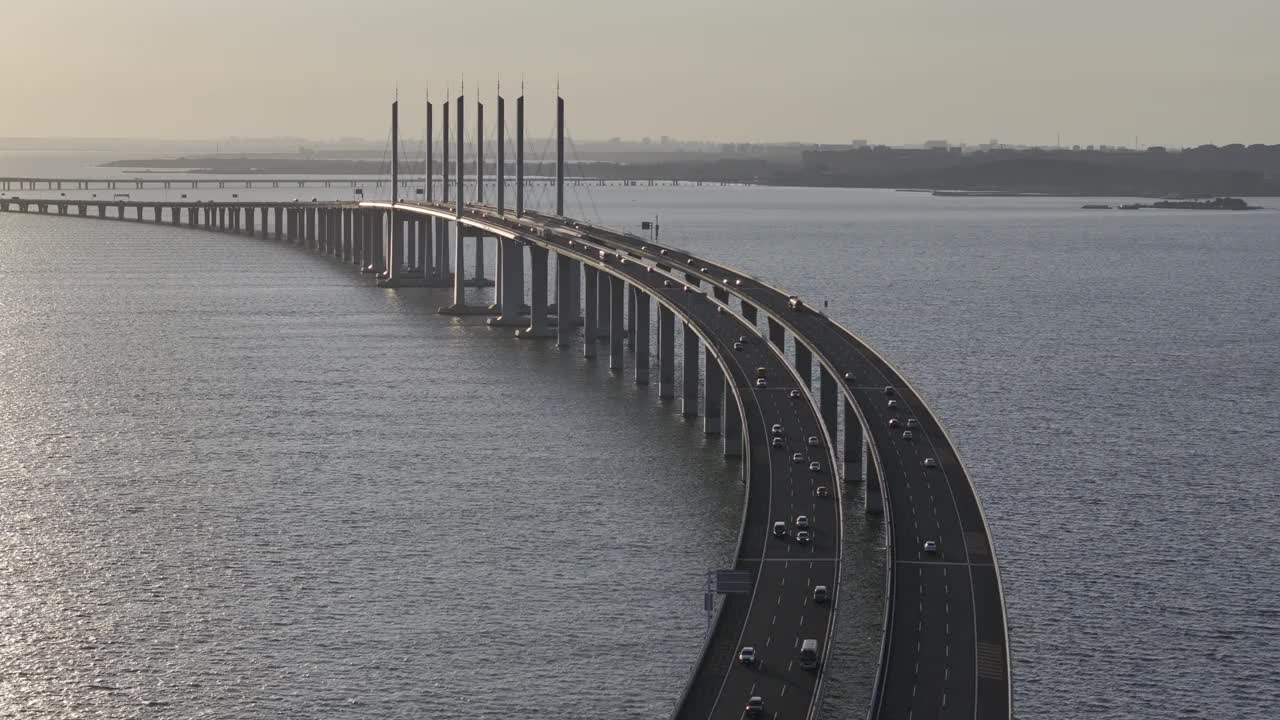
(856, 424)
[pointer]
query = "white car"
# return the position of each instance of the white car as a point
(743, 339)
(778, 442)
(930, 463)
(906, 435)
(821, 594)
(893, 422)
(738, 346)
(802, 522)
(815, 466)
(797, 457)
(747, 655)
(848, 376)
(822, 491)
(913, 423)
(761, 382)
(888, 389)
(813, 441)
(780, 529)
(930, 546)
(794, 394)
(776, 429)
(802, 537)
(893, 404)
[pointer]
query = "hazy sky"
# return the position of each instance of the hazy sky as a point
(1170, 71)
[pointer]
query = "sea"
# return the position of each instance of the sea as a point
(239, 481)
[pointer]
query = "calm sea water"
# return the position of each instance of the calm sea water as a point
(239, 482)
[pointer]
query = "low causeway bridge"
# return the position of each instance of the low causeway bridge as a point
(849, 422)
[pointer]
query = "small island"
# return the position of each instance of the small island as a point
(1222, 203)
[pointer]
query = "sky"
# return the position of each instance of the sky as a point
(1167, 72)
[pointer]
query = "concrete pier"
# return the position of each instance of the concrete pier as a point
(852, 444)
(713, 395)
(777, 335)
(874, 493)
(539, 327)
(666, 352)
(689, 386)
(640, 308)
(804, 364)
(732, 423)
(617, 291)
(589, 323)
(564, 286)
(828, 400)
(512, 285)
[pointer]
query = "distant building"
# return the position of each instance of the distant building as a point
(858, 143)
(936, 144)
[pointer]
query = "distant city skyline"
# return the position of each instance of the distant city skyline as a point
(1171, 72)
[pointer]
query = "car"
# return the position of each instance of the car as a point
(689, 261)
(930, 463)
(802, 522)
(797, 457)
(776, 429)
(780, 529)
(743, 339)
(913, 423)
(848, 376)
(761, 382)
(802, 537)
(815, 466)
(822, 491)
(794, 394)
(668, 283)
(893, 422)
(663, 251)
(738, 346)
(888, 389)
(906, 435)
(779, 442)
(893, 404)
(738, 282)
(930, 546)
(687, 289)
(720, 309)
(821, 594)
(795, 303)
(705, 270)
(755, 706)
(747, 655)
(762, 371)
(813, 441)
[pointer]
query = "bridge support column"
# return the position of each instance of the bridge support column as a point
(411, 244)
(828, 401)
(479, 280)
(689, 387)
(713, 394)
(631, 322)
(874, 493)
(732, 423)
(617, 291)
(591, 277)
(564, 286)
(804, 364)
(603, 316)
(777, 335)
(852, 444)
(640, 335)
(666, 352)
(357, 239)
(279, 223)
(538, 325)
(749, 312)
(511, 282)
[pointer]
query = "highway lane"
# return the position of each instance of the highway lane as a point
(947, 646)
(780, 612)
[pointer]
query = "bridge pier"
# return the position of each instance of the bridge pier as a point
(852, 432)
(640, 334)
(733, 446)
(631, 322)
(603, 316)
(713, 394)
(617, 287)
(804, 364)
(589, 320)
(511, 280)
(539, 327)
(874, 493)
(564, 286)
(749, 312)
(689, 387)
(666, 352)
(777, 335)
(828, 401)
